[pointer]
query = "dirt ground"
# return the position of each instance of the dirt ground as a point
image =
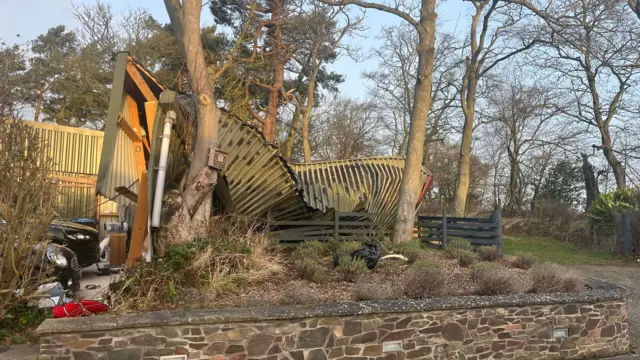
(628, 277)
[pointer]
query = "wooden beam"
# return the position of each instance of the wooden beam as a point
(129, 130)
(137, 144)
(124, 191)
(137, 78)
(139, 222)
(76, 180)
(150, 108)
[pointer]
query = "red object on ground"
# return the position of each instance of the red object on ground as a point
(74, 309)
(94, 307)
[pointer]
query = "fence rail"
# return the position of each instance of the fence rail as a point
(344, 226)
(433, 231)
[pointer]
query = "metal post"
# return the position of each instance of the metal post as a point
(444, 226)
(626, 234)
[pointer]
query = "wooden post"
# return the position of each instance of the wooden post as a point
(626, 234)
(139, 222)
(336, 217)
(444, 226)
(117, 249)
(496, 218)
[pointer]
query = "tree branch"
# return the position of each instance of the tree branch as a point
(367, 5)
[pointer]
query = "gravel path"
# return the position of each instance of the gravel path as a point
(628, 277)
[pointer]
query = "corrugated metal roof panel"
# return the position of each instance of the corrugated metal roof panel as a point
(122, 171)
(260, 181)
(369, 185)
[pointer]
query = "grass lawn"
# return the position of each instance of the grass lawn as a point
(548, 250)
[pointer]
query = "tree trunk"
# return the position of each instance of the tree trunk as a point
(291, 138)
(38, 109)
(196, 199)
(410, 186)
(306, 117)
(616, 166)
(269, 125)
(590, 182)
(464, 160)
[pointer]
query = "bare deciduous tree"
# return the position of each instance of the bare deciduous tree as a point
(348, 129)
(592, 46)
(487, 48)
(391, 85)
(423, 18)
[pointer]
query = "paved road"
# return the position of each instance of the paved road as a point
(628, 277)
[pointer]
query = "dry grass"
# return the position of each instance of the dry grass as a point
(552, 278)
(236, 252)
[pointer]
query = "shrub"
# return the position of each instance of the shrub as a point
(309, 269)
(28, 201)
(498, 282)
(424, 282)
(523, 261)
(372, 291)
(607, 206)
(551, 278)
(459, 244)
(466, 258)
(232, 255)
(309, 250)
(411, 249)
(351, 269)
(489, 253)
(298, 293)
(478, 270)
(347, 247)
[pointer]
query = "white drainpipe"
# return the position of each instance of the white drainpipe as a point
(169, 119)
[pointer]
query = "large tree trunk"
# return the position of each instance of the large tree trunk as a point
(410, 186)
(269, 125)
(38, 109)
(291, 138)
(196, 199)
(616, 166)
(590, 182)
(306, 117)
(464, 160)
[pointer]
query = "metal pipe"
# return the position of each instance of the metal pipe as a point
(169, 119)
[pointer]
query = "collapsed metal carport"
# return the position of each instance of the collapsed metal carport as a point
(256, 181)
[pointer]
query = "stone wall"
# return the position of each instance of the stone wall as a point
(470, 328)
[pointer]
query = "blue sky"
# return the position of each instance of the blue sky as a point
(30, 18)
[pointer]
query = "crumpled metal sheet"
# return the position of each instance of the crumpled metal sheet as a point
(358, 185)
(260, 181)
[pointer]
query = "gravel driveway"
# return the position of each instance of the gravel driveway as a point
(628, 277)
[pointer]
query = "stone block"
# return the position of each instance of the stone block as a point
(313, 338)
(259, 344)
(147, 339)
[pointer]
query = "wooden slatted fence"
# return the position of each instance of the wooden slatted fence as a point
(437, 230)
(434, 231)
